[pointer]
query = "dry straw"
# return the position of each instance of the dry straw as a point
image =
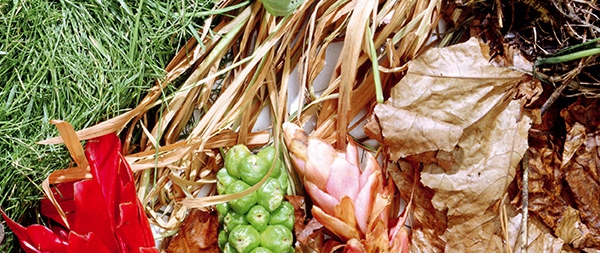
(261, 52)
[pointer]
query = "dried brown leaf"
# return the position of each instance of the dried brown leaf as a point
(564, 193)
(452, 88)
(420, 133)
(428, 223)
(197, 234)
(539, 237)
(453, 100)
(311, 238)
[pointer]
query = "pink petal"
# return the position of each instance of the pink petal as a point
(354, 246)
(320, 156)
(352, 152)
(299, 164)
(371, 167)
(401, 241)
(364, 201)
(321, 199)
(343, 179)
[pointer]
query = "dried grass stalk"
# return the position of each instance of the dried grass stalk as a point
(175, 164)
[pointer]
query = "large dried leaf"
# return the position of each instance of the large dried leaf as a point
(453, 101)
(444, 91)
(197, 234)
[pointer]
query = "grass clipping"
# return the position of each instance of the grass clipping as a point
(214, 90)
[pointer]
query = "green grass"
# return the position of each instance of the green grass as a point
(79, 61)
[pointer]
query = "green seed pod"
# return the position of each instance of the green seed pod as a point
(233, 158)
(276, 238)
(222, 210)
(261, 250)
(232, 220)
(281, 7)
(252, 169)
(223, 180)
(222, 239)
(270, 195)
(228, 248)
(258, 217)
(243, 204)
(244, 238)
(268, 155)
(283, 182)
(284, 215)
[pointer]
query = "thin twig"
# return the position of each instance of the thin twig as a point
(525, 202)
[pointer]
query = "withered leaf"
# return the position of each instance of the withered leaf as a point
(198, 233)
(426, 133)
(452, 100)
(444, 91)
(564, 192)
(428, 223)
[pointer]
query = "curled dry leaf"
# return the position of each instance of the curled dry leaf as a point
(198, 233)
(464, 110)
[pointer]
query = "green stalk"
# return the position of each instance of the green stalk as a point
(568, 57)
(375, 66)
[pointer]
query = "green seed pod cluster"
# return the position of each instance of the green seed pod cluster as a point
(281, 7)
(263, 220)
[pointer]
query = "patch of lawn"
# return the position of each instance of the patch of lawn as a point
(78, 61)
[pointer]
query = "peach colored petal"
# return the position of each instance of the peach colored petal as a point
(379, 211)
(364, 200)
(345, 212)
(377, 238)
(352, 152)
(320, 198)
(354, 246)
(343, 179)
(296, 139)
(400, 242)
(335, 225)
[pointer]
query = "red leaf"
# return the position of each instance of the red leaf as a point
(44, 239)
(92, 214)
(35, 238)
(103, 156)
(127, 229)
(137, 216)
(104, 212)
(148, 250)
(86, 243)
(63, 193)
